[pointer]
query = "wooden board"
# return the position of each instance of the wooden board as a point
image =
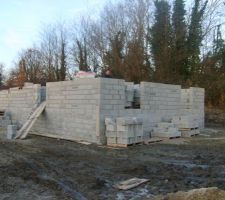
(23, 132)
(131, 183)
(60, 138)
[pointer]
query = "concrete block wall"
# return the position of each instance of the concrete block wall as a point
(4, 100)
(72, 110)
(192, 103)
(158, 102)
(76, 110)
(161, 99)
(20, 102)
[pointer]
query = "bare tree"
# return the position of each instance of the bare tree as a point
(32, 65)
(53, 47)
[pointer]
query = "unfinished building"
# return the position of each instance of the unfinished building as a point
(100, 110)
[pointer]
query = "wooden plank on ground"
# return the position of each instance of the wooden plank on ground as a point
(131, 183)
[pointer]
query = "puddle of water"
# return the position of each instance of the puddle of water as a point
(185, 163)
(137, 194)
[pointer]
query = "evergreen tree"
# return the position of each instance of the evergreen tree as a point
(195, 37)
(114, 57)
(219, 52)
(179, 41)
(160, 37)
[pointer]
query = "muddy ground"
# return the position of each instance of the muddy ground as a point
(43, 168)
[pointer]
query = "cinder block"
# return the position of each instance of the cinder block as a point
(11, 131)
(111, 140)
(109, 121)
(126, 134)
(165, 125)
(126, 141)
(111, 127)
(139, 139)
(111, 133)
(166, 134)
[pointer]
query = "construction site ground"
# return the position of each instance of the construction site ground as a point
(41, 168)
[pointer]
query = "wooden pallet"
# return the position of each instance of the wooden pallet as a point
(152, 141)
(174, 137)
(187, 129)
(125, 145)
(170, 138)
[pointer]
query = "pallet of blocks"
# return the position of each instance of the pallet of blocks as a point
(187, 125)
(166, 130)
(124, 131)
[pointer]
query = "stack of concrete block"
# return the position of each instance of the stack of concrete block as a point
(129, 94)
(163, 99)
(124, 130)
(188, 125)
(129, 130)
(111, 131)
(150, 119)
(185, 122)
(192, 103)
(166, 130)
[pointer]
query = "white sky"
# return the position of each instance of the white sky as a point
(21, 21)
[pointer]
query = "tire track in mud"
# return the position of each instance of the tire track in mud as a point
(61, 184)
(28, 169)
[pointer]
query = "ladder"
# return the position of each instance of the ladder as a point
(23, 132)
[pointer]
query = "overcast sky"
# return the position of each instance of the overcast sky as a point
(21, 21)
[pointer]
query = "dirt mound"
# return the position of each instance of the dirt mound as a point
(197, 194)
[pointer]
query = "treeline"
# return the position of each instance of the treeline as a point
(139, 40)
